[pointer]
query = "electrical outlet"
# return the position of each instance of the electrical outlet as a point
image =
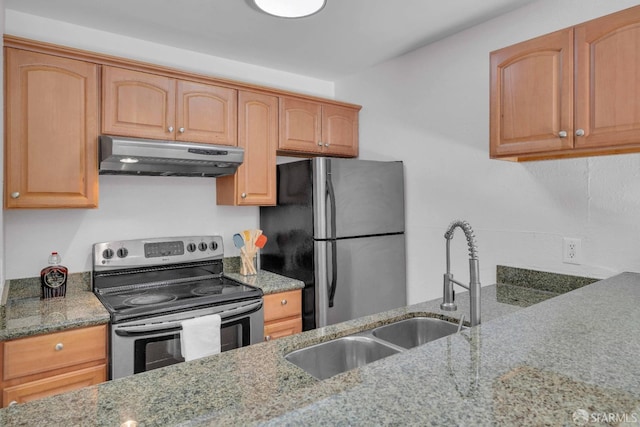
(572, 251)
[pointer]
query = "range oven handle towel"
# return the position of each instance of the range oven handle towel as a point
(200, 337)
(177, 326)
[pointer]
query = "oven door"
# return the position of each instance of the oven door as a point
(143, 345)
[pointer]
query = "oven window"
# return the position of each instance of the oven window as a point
(164, 350)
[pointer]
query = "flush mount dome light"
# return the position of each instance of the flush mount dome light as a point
(290, 8)
(128, 160)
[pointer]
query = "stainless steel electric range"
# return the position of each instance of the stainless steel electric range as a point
(149, 286)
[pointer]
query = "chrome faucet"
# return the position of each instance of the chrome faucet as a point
(474, 274)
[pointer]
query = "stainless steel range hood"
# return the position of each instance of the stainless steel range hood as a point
(134, 156)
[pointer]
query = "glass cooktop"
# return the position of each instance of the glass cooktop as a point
(171, 297)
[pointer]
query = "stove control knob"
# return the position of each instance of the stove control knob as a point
(123, 252)
(107, 253)
(203, 246)
(213, 246)
(191, 247)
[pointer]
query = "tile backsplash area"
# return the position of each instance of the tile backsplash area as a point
(523, 287)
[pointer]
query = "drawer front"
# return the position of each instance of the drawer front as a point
(54, 385)
(282, 329)
(27, 356)
(282, 305)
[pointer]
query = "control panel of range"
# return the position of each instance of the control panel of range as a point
(156, 251)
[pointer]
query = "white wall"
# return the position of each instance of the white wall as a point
(132, 207)
(430, 108)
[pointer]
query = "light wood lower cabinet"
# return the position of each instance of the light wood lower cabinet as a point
(282, 314)
(44, 365)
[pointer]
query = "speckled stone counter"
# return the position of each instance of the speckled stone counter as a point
(525, 287)
(26, 314)
(523, 366)
(270, 283)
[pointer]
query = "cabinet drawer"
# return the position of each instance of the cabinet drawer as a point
(27, 356)
(282, 305)
(282, 329)
(54, 385)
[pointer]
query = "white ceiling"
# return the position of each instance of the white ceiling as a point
(347, 36)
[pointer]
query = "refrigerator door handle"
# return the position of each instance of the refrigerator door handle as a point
(334, 272)
(334, 257)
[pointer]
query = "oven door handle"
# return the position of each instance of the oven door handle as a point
(177, 326)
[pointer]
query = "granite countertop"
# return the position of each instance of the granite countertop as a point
(270, 283)
(25, 314)
(523, 366)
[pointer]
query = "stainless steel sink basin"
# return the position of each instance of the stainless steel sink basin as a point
(333, 357)
(416, 331)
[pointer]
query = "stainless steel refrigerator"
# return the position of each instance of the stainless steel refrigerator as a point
(339, 227)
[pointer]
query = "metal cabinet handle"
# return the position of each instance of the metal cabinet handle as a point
(320, 144)
(326, 144)
(13, 402)
(15, 195)
(267, 338)
(563, 134)
(283, 302)
(181, 130)
(243, 195)
(170, 129)
(59, 346)
(580, 132)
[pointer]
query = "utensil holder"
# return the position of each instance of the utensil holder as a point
(247, 268)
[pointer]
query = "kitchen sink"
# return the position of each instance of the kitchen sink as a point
(413, 332)
(333, 357)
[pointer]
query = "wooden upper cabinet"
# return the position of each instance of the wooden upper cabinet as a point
(255, 181)
(570, 93)
(206, 113)
(137, 104)
(340, 130)
(51, 131)
(532, 95)
(608, 80)
(144, 105)
(309, 127)
(300, 126)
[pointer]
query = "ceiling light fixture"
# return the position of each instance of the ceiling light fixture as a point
(290, 8)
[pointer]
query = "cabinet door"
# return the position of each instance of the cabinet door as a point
(300, 126)
(255, 181)
(282, 328)
(52, 132)
(608, 80)
(282, 305)
(24, 356)
(54, 385)
(206, 113)
(138, 104)
(532, 96)
(340, 131)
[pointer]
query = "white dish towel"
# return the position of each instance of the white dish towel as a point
(200, 337)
